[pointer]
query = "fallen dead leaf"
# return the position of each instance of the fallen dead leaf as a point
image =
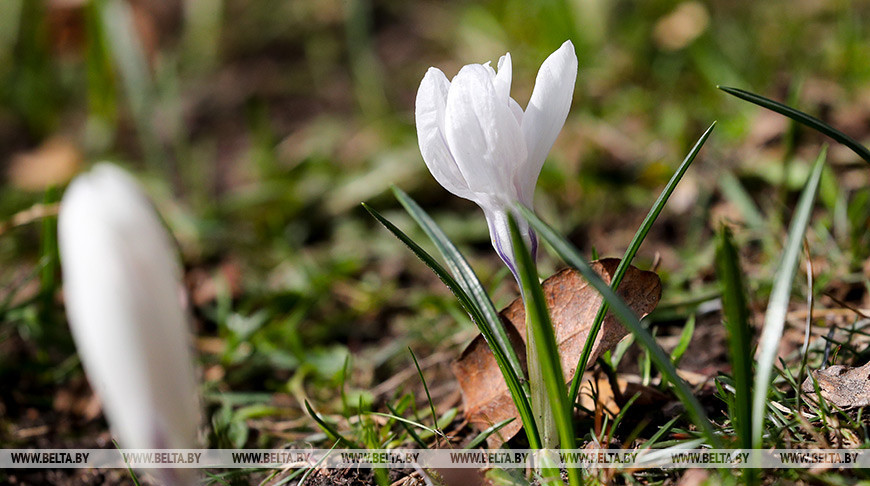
(844, 386)
(573, 304)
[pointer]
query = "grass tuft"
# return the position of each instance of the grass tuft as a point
(736, 315)
(774, 317)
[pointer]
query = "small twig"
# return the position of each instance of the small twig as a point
(848, 306)
(29, 215)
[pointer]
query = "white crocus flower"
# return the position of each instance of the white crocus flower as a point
(480, 145)
(123, 299)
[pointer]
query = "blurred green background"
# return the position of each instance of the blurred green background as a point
(259, 126)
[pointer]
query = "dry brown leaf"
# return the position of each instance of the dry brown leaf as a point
(573, 304)
(844, 386)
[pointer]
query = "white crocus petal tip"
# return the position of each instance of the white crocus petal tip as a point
(546, 113)
(429, 113)
(121, 290)
(502, 80)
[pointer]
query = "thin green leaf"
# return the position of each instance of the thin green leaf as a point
(736, 314)
(546, 350)
(426, 388)
(49, 250)
(312, 468)
(329, 429)
(403, 420)
(487, 432)
(685, 338)
(800, 117)
(774, 317)
(410, 430)
(623, 410)
(660, 433)
(443, 421)
(630, 252)
(518, 392)
(129, 469)
(465, 276)
(570, 254)
(217, 479)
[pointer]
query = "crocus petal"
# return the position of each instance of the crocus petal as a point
(123, 302)
(546, 114)
(499, 231)
(482, 133)
(517, 111)
(429, 115)
(502, 81)
(502, 84)
(500, 235)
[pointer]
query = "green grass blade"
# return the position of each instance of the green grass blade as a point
(487, 432)
(329, 429)
(309, 470)
(626, 315)
(133, 475)
(519, 394)
(403, 420)
(774, 317)
(464, 275)
(410, 430)
(627, 258)
(426, 388)
(736, 314)
(800, 117)
(49, 250)
(659, 433)
(546, 349)
(685, 338)
(623, 410)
